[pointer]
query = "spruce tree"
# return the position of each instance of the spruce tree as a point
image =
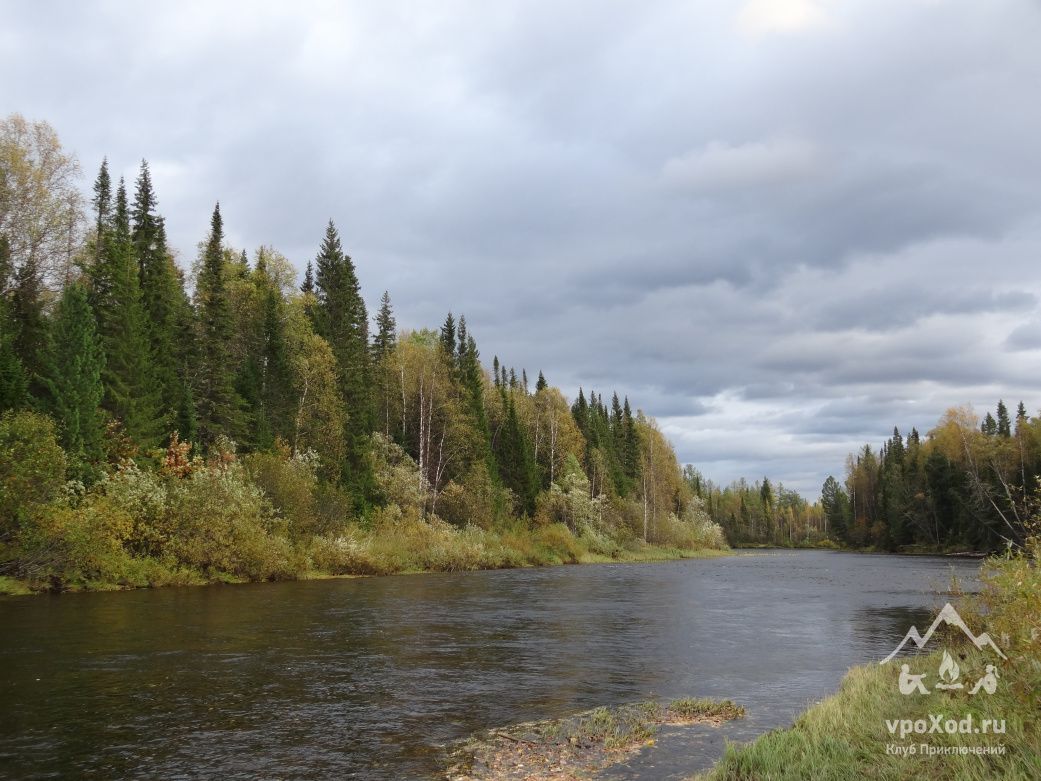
(102, 202)
(580, 412)
(308, 284)
(386, 338)
(631, 448)
(471, 379)
(541, 384)
(131, 389)
(516, 467)
(218, 405)
(448, 337)
(29, 330)
(989, 426)
(1004, 423)
(167, 312)
(462, 335)
(73, 364)
(341, 319)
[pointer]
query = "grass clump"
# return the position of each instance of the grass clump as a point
(584, 743)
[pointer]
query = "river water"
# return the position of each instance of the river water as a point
(370, 678)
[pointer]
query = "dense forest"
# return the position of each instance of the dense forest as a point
(162, 424)
(968, 485)
(759, 513)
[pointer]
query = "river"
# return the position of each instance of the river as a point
(369, 678)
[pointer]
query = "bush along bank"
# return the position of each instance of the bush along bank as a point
(269, 516)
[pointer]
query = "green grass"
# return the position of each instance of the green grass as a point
(846, 736)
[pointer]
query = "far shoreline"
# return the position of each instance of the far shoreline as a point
(15, 587)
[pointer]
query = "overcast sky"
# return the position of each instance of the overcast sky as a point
(780, 226)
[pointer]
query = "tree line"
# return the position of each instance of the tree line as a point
(141, 366)
(760, 512)
(967, 484)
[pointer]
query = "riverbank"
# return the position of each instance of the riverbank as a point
(404, 552)
(870, 730)
(905, 550)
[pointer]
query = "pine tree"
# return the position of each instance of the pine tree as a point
(495, 370)
(386, 338)
(1021, 413)
(541, 384)
(219, 407)
(167, 312)
(131, 390)
(341, 319)
(73, 365)
(308, 285)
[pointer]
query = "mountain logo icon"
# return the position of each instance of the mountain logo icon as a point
(950, 617)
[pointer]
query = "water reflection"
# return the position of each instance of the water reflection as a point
(369, 678)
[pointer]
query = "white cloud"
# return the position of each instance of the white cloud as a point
(761, 17)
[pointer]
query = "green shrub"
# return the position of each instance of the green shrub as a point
(32, 467)
(222, 523)
(289, 483)
(143, 495)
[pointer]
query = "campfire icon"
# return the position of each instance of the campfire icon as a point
(949, 673)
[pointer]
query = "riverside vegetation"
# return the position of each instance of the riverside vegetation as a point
(966, 485)
(845, 736)
(574, 747)
(226, 425)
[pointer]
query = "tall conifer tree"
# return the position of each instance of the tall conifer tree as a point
(341, 319)
(73, 365)
(219, 407)
(131, 389)
(386, 337)
(167, 313)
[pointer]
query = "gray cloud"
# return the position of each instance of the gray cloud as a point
(781, 227)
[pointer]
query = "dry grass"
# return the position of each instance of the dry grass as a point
(580, 745)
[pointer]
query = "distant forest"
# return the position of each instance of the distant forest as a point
(967, 485)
